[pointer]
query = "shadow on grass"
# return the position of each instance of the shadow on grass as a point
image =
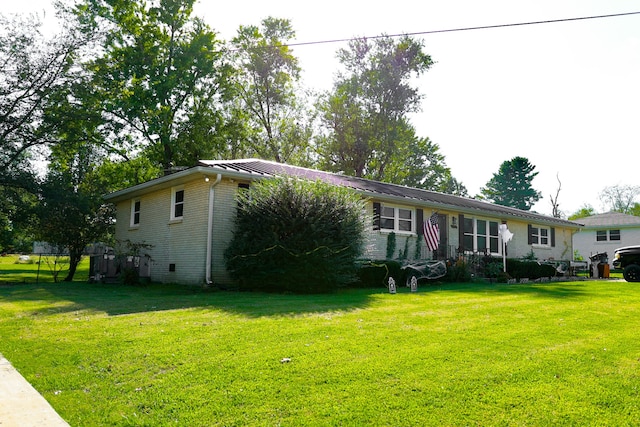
(117, 299)
(568, 289)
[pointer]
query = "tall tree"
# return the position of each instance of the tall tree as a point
(511, 185)
(160, 78)
(34, 67)
(31, 67)
(266, 84)
(365, 115)
(71, 216)
(71, 213)
(620, 198)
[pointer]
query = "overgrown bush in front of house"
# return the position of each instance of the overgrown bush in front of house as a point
(376, 273)
(296, 236)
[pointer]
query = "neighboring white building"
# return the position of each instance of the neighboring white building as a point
(605, 233)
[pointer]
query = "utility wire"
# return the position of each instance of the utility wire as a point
(451, 30)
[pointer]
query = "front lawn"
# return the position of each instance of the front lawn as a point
(472, 354)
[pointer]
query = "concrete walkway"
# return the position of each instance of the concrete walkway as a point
(20, 404)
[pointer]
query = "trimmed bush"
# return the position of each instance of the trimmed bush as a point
(529, 269)
(297, 236)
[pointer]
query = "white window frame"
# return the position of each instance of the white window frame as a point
(607, 234)
(487, 236)
(135, 210)
(175, 203)
(540, 236)
(399, 217)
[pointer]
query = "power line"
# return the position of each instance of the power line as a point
(451, 30)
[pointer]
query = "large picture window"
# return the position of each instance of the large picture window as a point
(480, 235)
(394, 218)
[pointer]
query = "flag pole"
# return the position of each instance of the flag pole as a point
(504, 255)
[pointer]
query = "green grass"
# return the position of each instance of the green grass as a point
(458, 355)
(38, 269)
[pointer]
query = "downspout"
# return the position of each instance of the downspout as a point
(210, 228)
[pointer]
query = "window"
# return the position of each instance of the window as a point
(135, 213)
(604, 235)
(177, 203)
(469, 234)
(480, 235)
(541, 236)
(493, 237)
(396, 219)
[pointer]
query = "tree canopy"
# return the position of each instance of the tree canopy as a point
(620, 198)
(131, 89)
(511, 185)
(365, 116)
(160, 75)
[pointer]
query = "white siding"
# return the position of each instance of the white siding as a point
(586, 245)
(183, 242)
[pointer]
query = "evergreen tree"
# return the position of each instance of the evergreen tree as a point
(511, 185)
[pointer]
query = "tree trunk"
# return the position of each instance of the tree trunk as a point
(74, 260)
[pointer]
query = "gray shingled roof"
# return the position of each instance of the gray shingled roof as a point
(610, 219)
(255, 168)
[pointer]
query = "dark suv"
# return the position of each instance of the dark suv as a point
(628, 258)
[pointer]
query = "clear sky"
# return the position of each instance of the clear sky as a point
(564, 95)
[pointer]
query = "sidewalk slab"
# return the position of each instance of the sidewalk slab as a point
(20, 404)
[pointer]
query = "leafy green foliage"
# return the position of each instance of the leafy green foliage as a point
(31, 68)
(511, 185)
(583, 212)
(71, 216)
(366, 113)
(391, 245)
(459, 271)
(160, 79)
(621, 198)
(295, 235)
(266, 83)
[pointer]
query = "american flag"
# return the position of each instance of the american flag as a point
(431, 231)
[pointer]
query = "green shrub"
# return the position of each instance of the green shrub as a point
(503, 277)
(459, 271)
(492, 269)
(376, 273)
(391, 245)
(129, 276)
(296, 236)
(529, 269)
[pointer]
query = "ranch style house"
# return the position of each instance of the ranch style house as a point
(187, 219)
